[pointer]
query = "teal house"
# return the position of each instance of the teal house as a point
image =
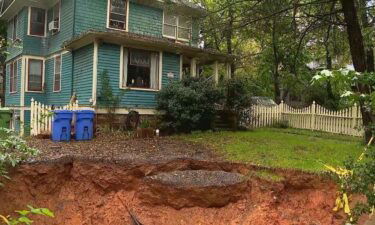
(60, 49)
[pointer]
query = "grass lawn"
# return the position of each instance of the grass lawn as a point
(283, 148)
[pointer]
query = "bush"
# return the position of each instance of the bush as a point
(238, 97)
(13, 150)
(189, 104)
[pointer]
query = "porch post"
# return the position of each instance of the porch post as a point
(216, 72)
(181, 65)
(193, 67)
(229, 71)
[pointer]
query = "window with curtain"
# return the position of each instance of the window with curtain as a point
(177, 27)
(117, 14)
(35, 75)
(141, 69)
(57, 75)
(37, 23)
(14, 31)
(13, 74)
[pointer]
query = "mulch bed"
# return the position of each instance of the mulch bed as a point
(117, 146)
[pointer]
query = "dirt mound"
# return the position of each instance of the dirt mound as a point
(194, 188)
(91, 193)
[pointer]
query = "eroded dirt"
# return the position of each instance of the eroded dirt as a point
(82, 191)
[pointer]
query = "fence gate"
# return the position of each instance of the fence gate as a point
(41, 116)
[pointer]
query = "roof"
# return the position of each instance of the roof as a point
(129, 39)
(264, 101)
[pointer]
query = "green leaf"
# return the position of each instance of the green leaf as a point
(25, 220)
(23, 212)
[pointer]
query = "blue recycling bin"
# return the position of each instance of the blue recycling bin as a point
(61, 125)
(84, 125)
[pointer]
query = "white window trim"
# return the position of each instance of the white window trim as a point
(27, 73)
(14, 75)
(15, 23)
(29, 23)
(127, 17)
(123, 77)
(53, 15)
(177, 26)
(54, 73)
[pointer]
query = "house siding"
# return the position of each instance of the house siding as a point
(62, 97)
(83, 72)
(171, 64)
(145, 20)
(14, 98)
(90, 15)
(55, 41)
(16, 49)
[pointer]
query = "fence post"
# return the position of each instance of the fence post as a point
(281, 110)
(354, 118)
(313, 109)
(32, 109)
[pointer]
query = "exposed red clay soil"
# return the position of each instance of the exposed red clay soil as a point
(91, 192)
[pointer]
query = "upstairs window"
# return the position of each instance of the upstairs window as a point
(141, 69)
(117, 10)
(177, 27)
(37, 23)
(13, 74)
(14, 31)
(54, 26)
(57, 74)
(35, 75)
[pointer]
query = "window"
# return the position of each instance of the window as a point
(37, 23)
(56, 18)
(141, 69)
(177, 27)
(14, 31)
(57, 74)
(117, 14)
(13, 74)
(35, 75)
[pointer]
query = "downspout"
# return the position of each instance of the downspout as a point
(73, 34)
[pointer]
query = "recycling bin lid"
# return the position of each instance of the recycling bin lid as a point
(88, 111)
(62, 111)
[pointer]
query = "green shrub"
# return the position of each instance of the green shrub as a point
(13, 149)
(238, 95)
(189, 104)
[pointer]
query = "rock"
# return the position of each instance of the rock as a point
(193, 188)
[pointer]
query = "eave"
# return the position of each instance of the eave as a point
(132, 40)
(17, 5)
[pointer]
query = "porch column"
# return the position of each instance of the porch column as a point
(229, 71)
(181, 66)
(216, 72)
(193, 67)
(95, 72)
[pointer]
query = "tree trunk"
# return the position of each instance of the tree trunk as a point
(358, 53)
(229, 38)
(276, 75)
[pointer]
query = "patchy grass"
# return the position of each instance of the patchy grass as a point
(282, 148)
(267, 175)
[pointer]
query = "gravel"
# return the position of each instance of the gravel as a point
(198, 178)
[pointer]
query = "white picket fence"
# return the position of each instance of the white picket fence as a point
(315, 117)
(41, 116)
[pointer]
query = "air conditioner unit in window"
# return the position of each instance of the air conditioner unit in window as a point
(53, 26)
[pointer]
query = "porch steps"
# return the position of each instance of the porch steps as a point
(225, 120)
